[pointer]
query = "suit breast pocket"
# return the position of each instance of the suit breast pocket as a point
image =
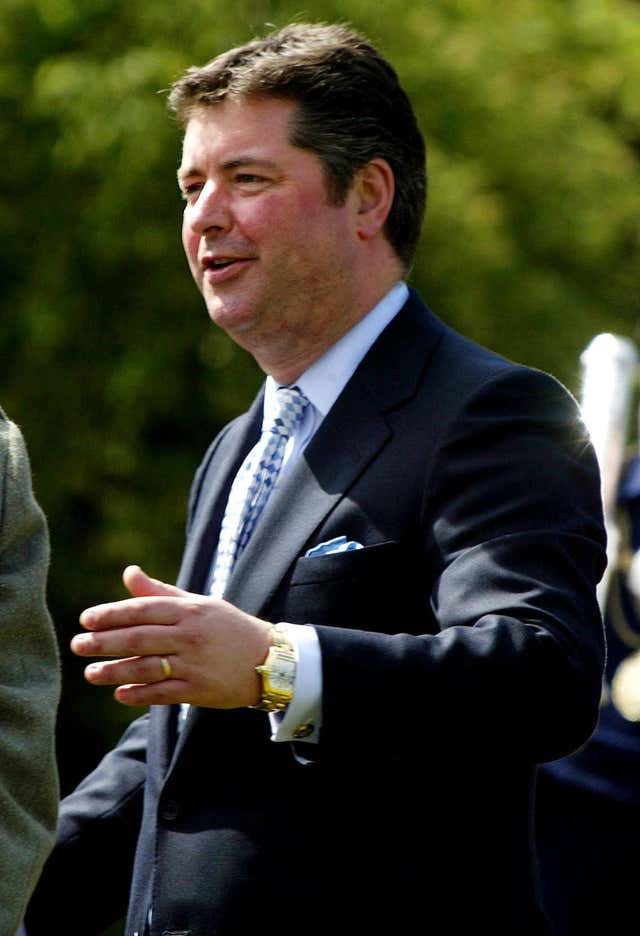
(369, 560)
(349, 589)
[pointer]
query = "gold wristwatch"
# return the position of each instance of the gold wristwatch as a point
(278, 673)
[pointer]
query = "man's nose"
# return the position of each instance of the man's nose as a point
(211, 211)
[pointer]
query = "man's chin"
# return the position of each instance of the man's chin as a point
(234, 321)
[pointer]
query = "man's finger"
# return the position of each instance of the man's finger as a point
(140, 584)
(168, 692)
(144, 670)
(126, 642)
(133, 611)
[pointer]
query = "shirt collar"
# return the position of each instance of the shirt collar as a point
(324, 381)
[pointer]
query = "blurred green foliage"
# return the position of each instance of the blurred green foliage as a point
(531, 110)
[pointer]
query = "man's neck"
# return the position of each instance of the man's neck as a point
(323, 382)
(285, 365)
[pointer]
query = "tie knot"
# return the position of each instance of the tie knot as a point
(290, 405)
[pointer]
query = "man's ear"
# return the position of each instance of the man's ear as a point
(373, 188)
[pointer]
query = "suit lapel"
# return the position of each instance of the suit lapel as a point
(222, 468)
(163, 738)
(305, 496)
(352, 434)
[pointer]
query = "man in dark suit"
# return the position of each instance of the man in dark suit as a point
(429, 555)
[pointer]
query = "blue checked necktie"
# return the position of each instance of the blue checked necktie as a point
(254, 483)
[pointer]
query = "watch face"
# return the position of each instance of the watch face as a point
(281, 675)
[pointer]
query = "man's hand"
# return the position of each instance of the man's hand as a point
(211, 646)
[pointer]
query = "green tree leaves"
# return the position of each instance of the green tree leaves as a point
(531, 110)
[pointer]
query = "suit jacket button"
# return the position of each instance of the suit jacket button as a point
(170, 810)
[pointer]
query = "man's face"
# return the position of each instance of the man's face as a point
(269, 252)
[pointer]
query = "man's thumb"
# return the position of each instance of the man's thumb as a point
(141, 585)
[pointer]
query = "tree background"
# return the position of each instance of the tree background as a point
(531, 111)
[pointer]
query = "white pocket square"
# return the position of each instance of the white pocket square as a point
(337, 545)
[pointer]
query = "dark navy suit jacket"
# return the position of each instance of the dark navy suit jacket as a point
(461, 647)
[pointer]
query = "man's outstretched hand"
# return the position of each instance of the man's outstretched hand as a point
(210, 647)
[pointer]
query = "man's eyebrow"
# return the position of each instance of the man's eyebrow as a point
(249, 160)
(186, 172)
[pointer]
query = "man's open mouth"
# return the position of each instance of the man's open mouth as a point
(221, 263)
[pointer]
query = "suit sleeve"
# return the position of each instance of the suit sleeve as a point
(29, 685)
(512, 526)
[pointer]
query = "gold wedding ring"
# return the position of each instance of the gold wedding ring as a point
(167, 670)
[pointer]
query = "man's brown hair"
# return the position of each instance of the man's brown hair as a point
(351, 109)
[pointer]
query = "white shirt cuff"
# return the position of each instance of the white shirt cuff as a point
(302, 719)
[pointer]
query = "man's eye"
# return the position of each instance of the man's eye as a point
(249, 178)
(190, 192)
